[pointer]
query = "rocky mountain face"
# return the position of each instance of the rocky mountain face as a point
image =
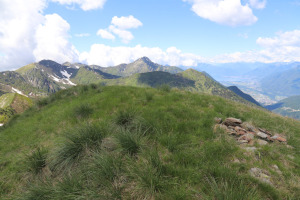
(46, 76)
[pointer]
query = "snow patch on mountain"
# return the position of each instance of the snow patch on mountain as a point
(66, 74)
(18, 91)
(65, 81)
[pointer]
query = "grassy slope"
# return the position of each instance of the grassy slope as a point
(25, 69)
(6, 99)
(86, 75)
(190, 80)
(242, 94)
(13, 103)
(179, 157)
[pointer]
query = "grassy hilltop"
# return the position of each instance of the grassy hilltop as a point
(120, 142)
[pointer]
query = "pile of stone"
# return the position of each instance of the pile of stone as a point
(245, 133)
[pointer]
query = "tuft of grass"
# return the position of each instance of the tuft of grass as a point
(78, 141)
(149, 177)
(229, 189)
(125, 118)
(107, 167)
(37, 160)
(130, 142)
(83, 111)
(41, 191)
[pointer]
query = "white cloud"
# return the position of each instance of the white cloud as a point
(52, 40)
(119, 27)
(126, 22)
(105, 34)
(226, 12)
(26, 35)
(126, 36)
(283, 39)
(82, 35)
(84, 4)
(18, 20)
(103, 55)
(258, 4)
(284, 47)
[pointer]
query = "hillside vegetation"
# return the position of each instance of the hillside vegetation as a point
(189, 80)
(114, 142)
(11, 104)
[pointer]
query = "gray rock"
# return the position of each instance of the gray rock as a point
(248, 126)
(250, 149)
(262, 135)
(261, 142)
(247, 137)
(260, 174)
(232, 122)
(242, 141)
(276, 169)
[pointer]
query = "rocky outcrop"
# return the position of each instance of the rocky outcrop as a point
(246, 133)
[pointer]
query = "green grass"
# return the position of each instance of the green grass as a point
(78, 141)
(83, 111)
(37, 160)
(164, 148)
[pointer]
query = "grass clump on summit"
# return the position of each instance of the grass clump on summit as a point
(83, 111)
(77, 142)
(37, 160)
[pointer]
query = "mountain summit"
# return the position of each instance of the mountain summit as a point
(141, 65)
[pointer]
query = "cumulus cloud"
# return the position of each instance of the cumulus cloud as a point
(284, 47)
(26, 35)
(84, 4)
(119, 27)
(105, 34)
(18, 20)
(282, 39)
(104, 55)
(258, 4)
(225, 12)
(126, 22)
(124, 35)
(52, 40)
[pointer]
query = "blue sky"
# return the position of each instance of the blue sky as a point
(173, 32)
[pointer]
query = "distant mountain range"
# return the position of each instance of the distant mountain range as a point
(284, 83)
(46, 76)
(287, 107)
